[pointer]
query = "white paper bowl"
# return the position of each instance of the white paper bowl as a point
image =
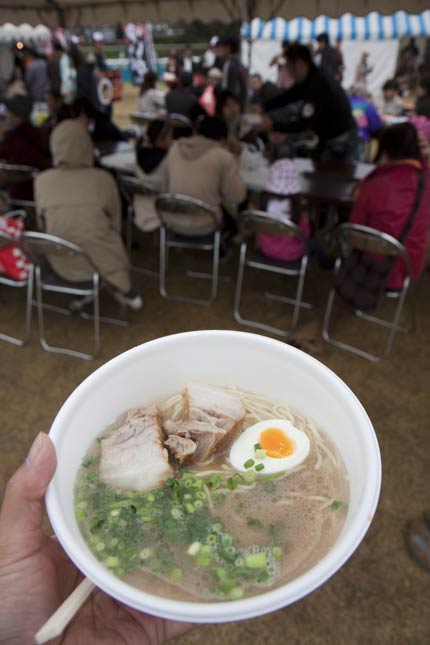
(256, 363)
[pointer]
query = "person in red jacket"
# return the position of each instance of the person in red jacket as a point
(22, 143)
(386, 197)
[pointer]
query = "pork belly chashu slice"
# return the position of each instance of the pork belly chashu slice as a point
(213, 417)
(133, 456)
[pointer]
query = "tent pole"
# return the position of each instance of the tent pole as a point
(251, 7)
(250, 43)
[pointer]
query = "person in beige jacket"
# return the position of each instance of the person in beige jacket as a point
(201, 167)
(81, 204)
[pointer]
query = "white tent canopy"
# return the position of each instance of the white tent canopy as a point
(348, 26)
(10, 33)
(377, 34)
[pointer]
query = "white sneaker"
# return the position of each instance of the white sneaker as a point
(132, 299)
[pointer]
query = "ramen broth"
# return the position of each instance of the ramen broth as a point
(212, 533)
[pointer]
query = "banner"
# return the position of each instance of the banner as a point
(141, 51)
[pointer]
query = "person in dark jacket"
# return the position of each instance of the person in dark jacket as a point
(327, 58)
(23, 144)
(316, 103)
(235, 78)
(183, 100)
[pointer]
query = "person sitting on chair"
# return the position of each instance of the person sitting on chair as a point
(151, 152)
(81, 204)
(201, 167)
(386, 197)
(23, 143)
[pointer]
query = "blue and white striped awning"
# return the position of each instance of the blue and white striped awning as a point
(374, 26)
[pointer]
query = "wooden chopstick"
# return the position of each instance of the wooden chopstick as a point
(55, 625)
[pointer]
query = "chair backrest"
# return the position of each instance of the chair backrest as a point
(15, 214)
(179, 120)
(5, 240)
(370, 240)
(40, 247)
(131, 186)
(15, 174)
(252, 222)
(186, 215)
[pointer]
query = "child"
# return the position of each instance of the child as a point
(283, 180)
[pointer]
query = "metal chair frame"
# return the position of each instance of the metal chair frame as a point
(250, 221)
(357, 236)
(5, 240)
(37, 247)
(169, 238)
(15, 174)
(129, 187)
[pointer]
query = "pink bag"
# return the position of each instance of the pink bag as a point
(13, 262)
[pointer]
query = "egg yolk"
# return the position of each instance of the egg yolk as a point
(276, 444)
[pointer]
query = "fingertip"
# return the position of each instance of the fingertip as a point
(41, 461)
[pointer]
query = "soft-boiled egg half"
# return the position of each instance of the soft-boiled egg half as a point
(269, 447)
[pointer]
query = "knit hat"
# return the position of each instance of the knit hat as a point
(20, 105)
(283, 178)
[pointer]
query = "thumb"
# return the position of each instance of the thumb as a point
(22, 512)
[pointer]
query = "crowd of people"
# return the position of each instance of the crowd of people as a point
(204, 119)
(223, 115)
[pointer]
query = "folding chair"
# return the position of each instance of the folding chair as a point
(130, 187)
(15, 174)
(40, 247)
(364, 238)
(6, 240)
(188, 223)
(251, 223)
(182, 125)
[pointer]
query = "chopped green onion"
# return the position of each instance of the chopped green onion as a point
(260, 454)
(277, 552)
(203, 559)
(214, 481)
(335, 506)
(194, 548)
(177, 513)
(198, 504)
(249, 477)
(100, 546)
(176, 573)
(257, 446)
(231, 483)
(249, 463)
(189, 508)
(259, 467)
(263, 577)
(220, 573)
(80, 513)
(145, 553)
(270, 487)
(236, 593)
(112, 562)
(256, 560)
